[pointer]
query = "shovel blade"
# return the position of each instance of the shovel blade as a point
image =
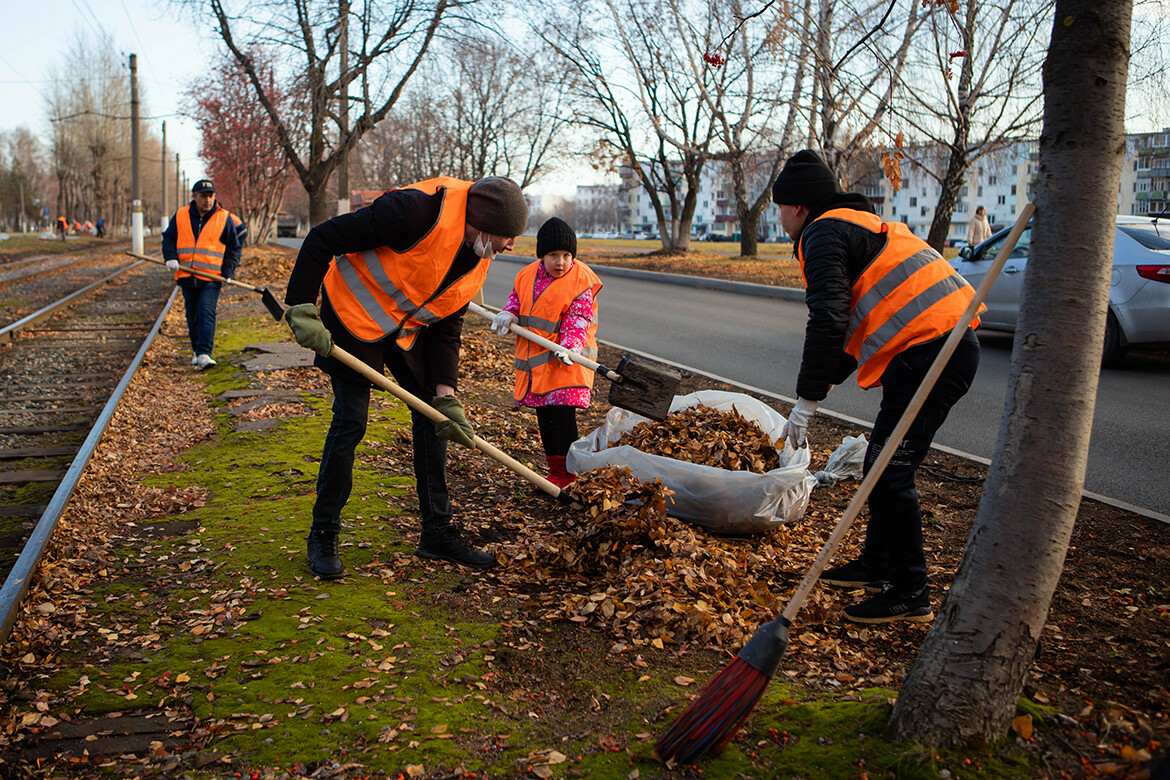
(273, 305)
(644, 389)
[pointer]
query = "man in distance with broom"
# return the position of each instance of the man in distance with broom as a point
(882, 302)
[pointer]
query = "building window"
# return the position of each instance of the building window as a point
(992, 180)
(914, 201)
(1013, 209)
(1013, 189)
(893, 210)
(963, 192)
(980, 194)
(1001, 200)
(923, 211)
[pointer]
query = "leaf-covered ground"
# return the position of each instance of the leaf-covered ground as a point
(175, 628)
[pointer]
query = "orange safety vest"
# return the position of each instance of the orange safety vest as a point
(907, 295)
(381, 291)
(537, 369)
(206, 253)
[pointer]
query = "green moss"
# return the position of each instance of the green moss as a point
(377, 668)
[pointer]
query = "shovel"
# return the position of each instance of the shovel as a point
(266, 296)
(642, 389)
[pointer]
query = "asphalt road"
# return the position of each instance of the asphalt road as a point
(757, 341)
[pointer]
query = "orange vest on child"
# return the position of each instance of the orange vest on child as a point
(537, 369)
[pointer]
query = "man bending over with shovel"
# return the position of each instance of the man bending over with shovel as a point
(882, 301)
(395, 280)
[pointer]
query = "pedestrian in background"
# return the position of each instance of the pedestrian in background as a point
(203, 236)
(62, 227)
(883, 302)
(555, 297)
(395, 279)
(101, 227)
(978, 229)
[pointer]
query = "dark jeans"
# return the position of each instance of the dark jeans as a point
(201, 299)
(351, 406)
(558, 428)
(893, 538)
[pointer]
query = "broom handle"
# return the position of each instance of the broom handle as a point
(891, 445)
(434, 415)
(552, 346)
(197, 272)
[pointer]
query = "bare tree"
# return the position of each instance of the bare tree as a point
(972, 667)
(387, 44)
(995, 99)
(24, 188)
(238, 143)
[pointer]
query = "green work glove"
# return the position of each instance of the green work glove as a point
(305, 321)
(456, 428)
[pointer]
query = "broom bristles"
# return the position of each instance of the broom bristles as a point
(712, 720)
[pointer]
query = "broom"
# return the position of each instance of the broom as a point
(712, 720)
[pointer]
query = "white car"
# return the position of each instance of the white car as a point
(1139, 292)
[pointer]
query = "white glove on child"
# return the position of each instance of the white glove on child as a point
(565, 355)
(503, 322)
(172, 265)
(797, 426)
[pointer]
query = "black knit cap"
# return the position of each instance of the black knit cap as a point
(556, 234)
(804, 181)
(495, 205)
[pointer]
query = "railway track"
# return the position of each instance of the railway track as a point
(73, 329)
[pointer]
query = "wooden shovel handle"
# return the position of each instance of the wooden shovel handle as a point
(552, 346)
(899, 432)
(434, 415)
(198, 272)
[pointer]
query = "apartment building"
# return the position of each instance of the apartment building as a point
(1145, 175)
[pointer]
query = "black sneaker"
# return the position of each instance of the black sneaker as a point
(854, 574)
(890, 605)
(449, 545)
(324, 559)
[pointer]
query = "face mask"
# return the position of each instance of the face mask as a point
(483, 248)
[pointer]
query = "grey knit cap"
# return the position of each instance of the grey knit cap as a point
(495, 205)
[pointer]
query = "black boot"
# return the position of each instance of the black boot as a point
(448, 545)
(324, 560)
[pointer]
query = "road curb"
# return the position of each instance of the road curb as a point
(685, 280)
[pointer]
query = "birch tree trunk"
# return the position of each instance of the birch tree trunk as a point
(964, 686)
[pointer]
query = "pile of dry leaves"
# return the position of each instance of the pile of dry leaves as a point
(708, 437)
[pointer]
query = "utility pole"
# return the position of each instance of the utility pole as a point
(163, 208)
(136, 240)
(343, 119)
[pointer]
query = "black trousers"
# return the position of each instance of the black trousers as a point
(893, 538)
(558, 428)
(351, 408)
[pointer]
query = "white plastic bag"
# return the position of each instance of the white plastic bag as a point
(722, 501)
(846, 462)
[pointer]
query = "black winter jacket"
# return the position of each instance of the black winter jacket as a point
(835, 253)
(399, 220)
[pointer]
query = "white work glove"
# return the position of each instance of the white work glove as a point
(503, 322)
(795, 429)
(565, 355)
(172, 265)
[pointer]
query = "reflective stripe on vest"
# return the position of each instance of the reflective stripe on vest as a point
(381, 291)
(206, 252)
(908, 294)
(538, 370)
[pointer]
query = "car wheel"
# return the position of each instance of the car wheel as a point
(1115, 347)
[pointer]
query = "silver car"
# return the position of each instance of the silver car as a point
(1139, 292)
